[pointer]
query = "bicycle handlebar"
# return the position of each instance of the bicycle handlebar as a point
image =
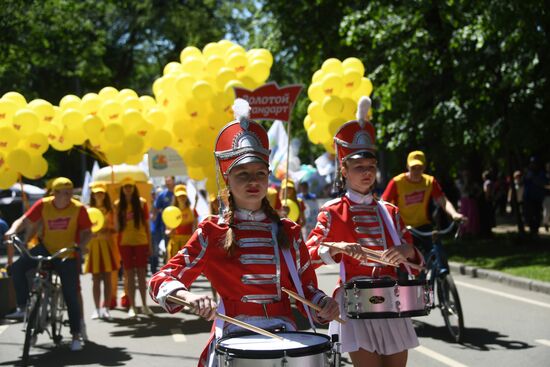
(22, 248)
(418, 233)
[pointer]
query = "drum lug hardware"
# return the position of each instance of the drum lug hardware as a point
(284, 361)
(228, 360)
(396, 290)
(398, 306)
(355, 290)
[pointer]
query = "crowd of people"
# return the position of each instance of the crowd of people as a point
(250, 251)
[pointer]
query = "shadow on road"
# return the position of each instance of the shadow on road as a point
(474, 338)
(97, 354)
(143, 326)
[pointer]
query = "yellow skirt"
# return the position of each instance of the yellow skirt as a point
(175, 244)
(102, 256)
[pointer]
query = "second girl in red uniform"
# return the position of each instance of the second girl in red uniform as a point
(358, 220)
(243, 252)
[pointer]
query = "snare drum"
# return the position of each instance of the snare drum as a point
(387, 298)
(296, 349)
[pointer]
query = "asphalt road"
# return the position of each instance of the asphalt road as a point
(504, 327)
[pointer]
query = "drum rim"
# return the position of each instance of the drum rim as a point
(309, 350)
(383, 283)
(387, 315)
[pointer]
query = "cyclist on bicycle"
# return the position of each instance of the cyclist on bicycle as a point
(64, 222)
(412, 192)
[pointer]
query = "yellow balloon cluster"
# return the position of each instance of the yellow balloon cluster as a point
(196, 94)
(334, 93)
(23, 137)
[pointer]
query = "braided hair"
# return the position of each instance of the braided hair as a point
(230, 243)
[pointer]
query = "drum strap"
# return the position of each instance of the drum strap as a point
(293, 273)
(390, 226)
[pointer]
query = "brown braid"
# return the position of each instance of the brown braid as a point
(229, 242)
(282, 237)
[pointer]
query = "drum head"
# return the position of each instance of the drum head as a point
(294, 344)
(370, 283)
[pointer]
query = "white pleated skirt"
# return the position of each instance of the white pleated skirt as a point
(383, 336)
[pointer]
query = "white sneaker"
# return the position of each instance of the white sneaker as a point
(146, 310)
(18, 314)
(104, 314)
(95, 314)
(76, 345)
(83, 332)
(132, 312)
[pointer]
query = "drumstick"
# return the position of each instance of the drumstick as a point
(226, 318)
(374, 255)
(307, 302)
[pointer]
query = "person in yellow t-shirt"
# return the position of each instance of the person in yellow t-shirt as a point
(179, 236)
(134, 239)
(412, 192)
(103, 257)
(64, 222)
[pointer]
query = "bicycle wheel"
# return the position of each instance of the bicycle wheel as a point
(31, 329)
(57, 311)
(451, 310)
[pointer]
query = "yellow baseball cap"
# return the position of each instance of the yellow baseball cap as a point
(416, 158)
(180, 190)
(98, 187)
(127, 181)
(62, 183)
(287, 183)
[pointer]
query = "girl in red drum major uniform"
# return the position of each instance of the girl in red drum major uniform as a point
(243, 252)
(357, 220)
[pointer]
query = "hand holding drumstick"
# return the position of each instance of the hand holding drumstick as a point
(392, 256)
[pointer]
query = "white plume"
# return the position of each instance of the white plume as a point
(363, 108)
(241, 109)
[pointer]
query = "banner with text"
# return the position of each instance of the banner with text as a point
(269, 102)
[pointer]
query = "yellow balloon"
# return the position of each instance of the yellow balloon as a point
(184, 83)
(235, 49)
(365, 89)
(18, 159)
(108, 93)
(36, 169)
(134, 159)
(110, 111)
(116, 154)
(353, 63)
(351, 79)
(229, 87)
(259, 71)
(61, 142)
(332, 84)
(202, 90)
(92, 125)
(332, 65)
(125, 93)
(160, 139)
(7, 110)
(172, 67)
(36, 143)
(91, 103)
(224, 76)
(97, 218)
(134, 143)
(25, 121)
(9, 138)
(293, 209)
(315, 92)
(72, 118)
(212, 49)
(315, 110)
(213, 64)
(132, 103)
(332, 105)
(7, 178)
(261, 54)
(43, 108)
(195, 173)
(16, 98)
(307, 122)
(189, 51)
(334, 125)
(193, 65)
(348, 108)
(147, 102)
(318, 76)
(171, 216)
(114, 133)
(156, 117)
(70, 101)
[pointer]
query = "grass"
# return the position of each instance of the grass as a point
(506, 252)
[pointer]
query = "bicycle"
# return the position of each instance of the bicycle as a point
(443, 283)
(46, 307)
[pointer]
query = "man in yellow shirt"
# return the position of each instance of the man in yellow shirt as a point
(412, 192)
(64, 222)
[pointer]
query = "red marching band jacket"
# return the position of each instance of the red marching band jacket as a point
(359, 221)
(249, 282)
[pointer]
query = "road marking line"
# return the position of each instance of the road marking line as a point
(439, 357)
(543, 342)
(502, 294)
(178, 336)
(3, 328)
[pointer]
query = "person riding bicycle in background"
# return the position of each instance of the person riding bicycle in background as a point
(64, 223)
(412, 192)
